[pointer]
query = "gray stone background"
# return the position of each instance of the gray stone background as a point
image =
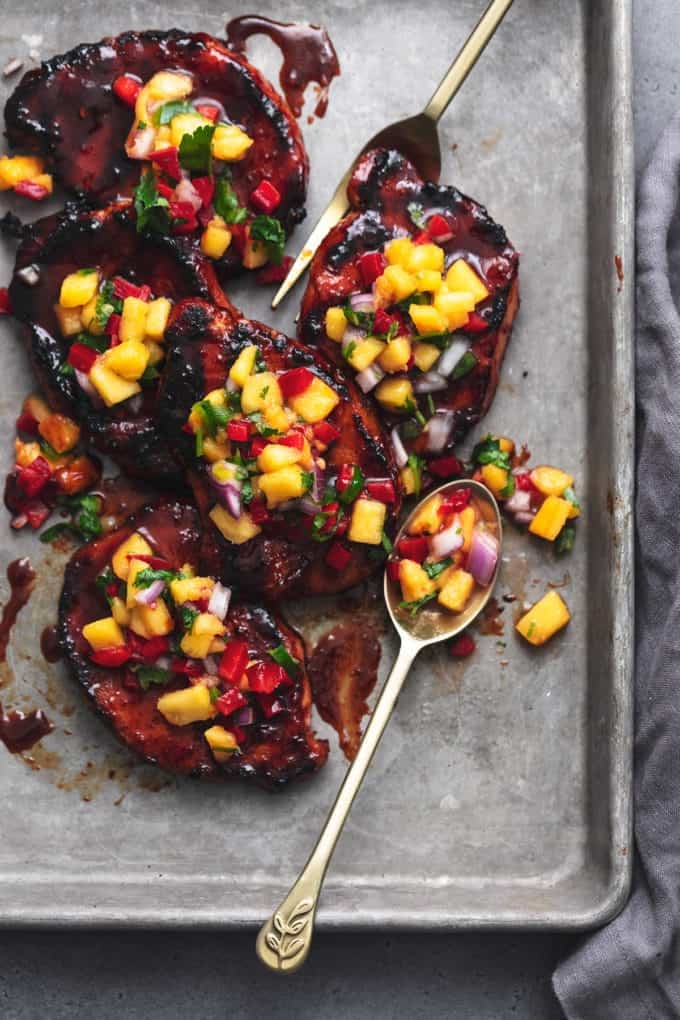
(148, 976)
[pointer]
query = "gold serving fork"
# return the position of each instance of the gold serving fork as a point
(416, 137)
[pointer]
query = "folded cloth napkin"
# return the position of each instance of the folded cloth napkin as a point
(630, 970)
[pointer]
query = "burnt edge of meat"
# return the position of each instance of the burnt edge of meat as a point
(383, 187)
(75, 239)
(282, 749)
(66, 110)
(202, 343)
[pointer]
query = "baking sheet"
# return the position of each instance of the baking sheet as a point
(501, 793)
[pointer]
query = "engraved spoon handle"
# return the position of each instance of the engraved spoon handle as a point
(467, 58)
(285, 939)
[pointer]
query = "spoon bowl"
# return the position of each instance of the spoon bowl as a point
(284, 940)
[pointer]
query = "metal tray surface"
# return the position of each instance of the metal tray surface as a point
(500, 796)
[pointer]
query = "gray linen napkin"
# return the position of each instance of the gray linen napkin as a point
(630, 970)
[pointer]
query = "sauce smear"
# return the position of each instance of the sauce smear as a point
(21, 577)
(343, 669)
(49, 644)
(19, 731)
(308, 55)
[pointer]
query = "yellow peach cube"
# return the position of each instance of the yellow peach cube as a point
(397, 252)
(368, 522)
(401, 284)
(244, 365)
(104, 633)
(456, 593)
(315, 403)
(232, 529)
(157, 316)
(133, 319)
(128, 360)
(364, 353)
(550, 518)
(78, 288)
(454, 307)
(428, 519)
(216, 238)
(415, 584)
(274, 457)
(135, 545)
(230, 143)
(550, 481)
(462, 277)
(425, 355)
(548, 616)
(190, 705)
(112, 388)
(260, 391)
(336, 324)
(425, 256)
(396, 356)
(428, 318)
(395, 394)
(69, 319)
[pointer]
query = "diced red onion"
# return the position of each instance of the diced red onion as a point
(19, 521)
(142, 144)
(289, 504)
(209, 101)
(524, 517)
(219, 601)
(451, 356)
(447, 541)
(352, 335)
(210, 665)
(205, 679)
(519, 502)
(230, 386)
(319, 482)
(83, 380)
(149, 595)
(369, 378)
(186, 192)
(30, 275)
(439, 429)
(362, 302)
(163, 662)
(430, 382)
(482, 557)
(308, 506)
(135, 403)
(244, 717)
(229, 494)
(400, 454)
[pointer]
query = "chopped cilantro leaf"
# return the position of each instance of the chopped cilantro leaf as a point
(194, 149)
(269, 231)
(349, 350)
(435, 569)
(307, 480)
(464, 366)
(417, 214)
(145, 578)
(417, 604)
(85, 272)
(198, 447)
(165, 113)
(152, 676)
(570, 497)
(188, 615)
(509, 488)
(488, 451)
(361, 320)
(416, 464)
(282, 656)
(565, 540)
(151, 208)
(226, 202)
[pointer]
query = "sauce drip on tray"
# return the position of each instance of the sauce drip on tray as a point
(21, 577)
(308, 56)
(343, 669)
(49, 644)
(19, 731)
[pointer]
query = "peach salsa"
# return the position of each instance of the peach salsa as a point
(265, 436)
(116, 331)
(450, 548)
(189, 146)
(168, 626)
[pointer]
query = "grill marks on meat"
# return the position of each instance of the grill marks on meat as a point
(382, 188)
(202, 343)
(66, 110)
(107, 239)
(274, 752)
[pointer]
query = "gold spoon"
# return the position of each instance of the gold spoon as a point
(284, 940)
(415, 137)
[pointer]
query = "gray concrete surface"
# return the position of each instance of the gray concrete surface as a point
(54, 976)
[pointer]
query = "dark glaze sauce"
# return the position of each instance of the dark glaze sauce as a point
(308, 56)
(21, 577)
(20, 731)
(49, 644)
(343, 669)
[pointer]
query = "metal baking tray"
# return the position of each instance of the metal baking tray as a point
(500, 796)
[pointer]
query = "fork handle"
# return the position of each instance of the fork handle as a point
(467, 58)
(285, 939)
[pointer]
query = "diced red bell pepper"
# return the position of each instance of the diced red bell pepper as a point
(270, 704)
(295, 382)
(82, 357)
(345, 477)
(524, 483)
(338, 556)
(239, 430)
(257, 445)
(331, 509)
(444, 467)
(205, 186)
(476, 323)
(413, 548)
(33, 478)
(265, 197)
(259, 512)
(455, 502)
(239, 734)
(123, 288)
(111, 656)
(154, 647)
(230, 701)
(184, 217)
(265, 677)
(371, 265)
(37, 513)
(462, 646)
(31, 189)
(239, 236)
(27, 423)
(422, 237)
(326, 433)
(155, 562)
(127, 89)
(113, 328)
(439, 228)
(382, 321)
(383, 490)
(273, 273)
(112, 590)
(167, 160)
(208, 111)
(295, 439)
(5, 303)
(393, 569)
(234, 661)
(165, 190)
(186, 667)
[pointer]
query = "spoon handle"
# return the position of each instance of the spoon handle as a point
(285, 939)
(467, 58)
